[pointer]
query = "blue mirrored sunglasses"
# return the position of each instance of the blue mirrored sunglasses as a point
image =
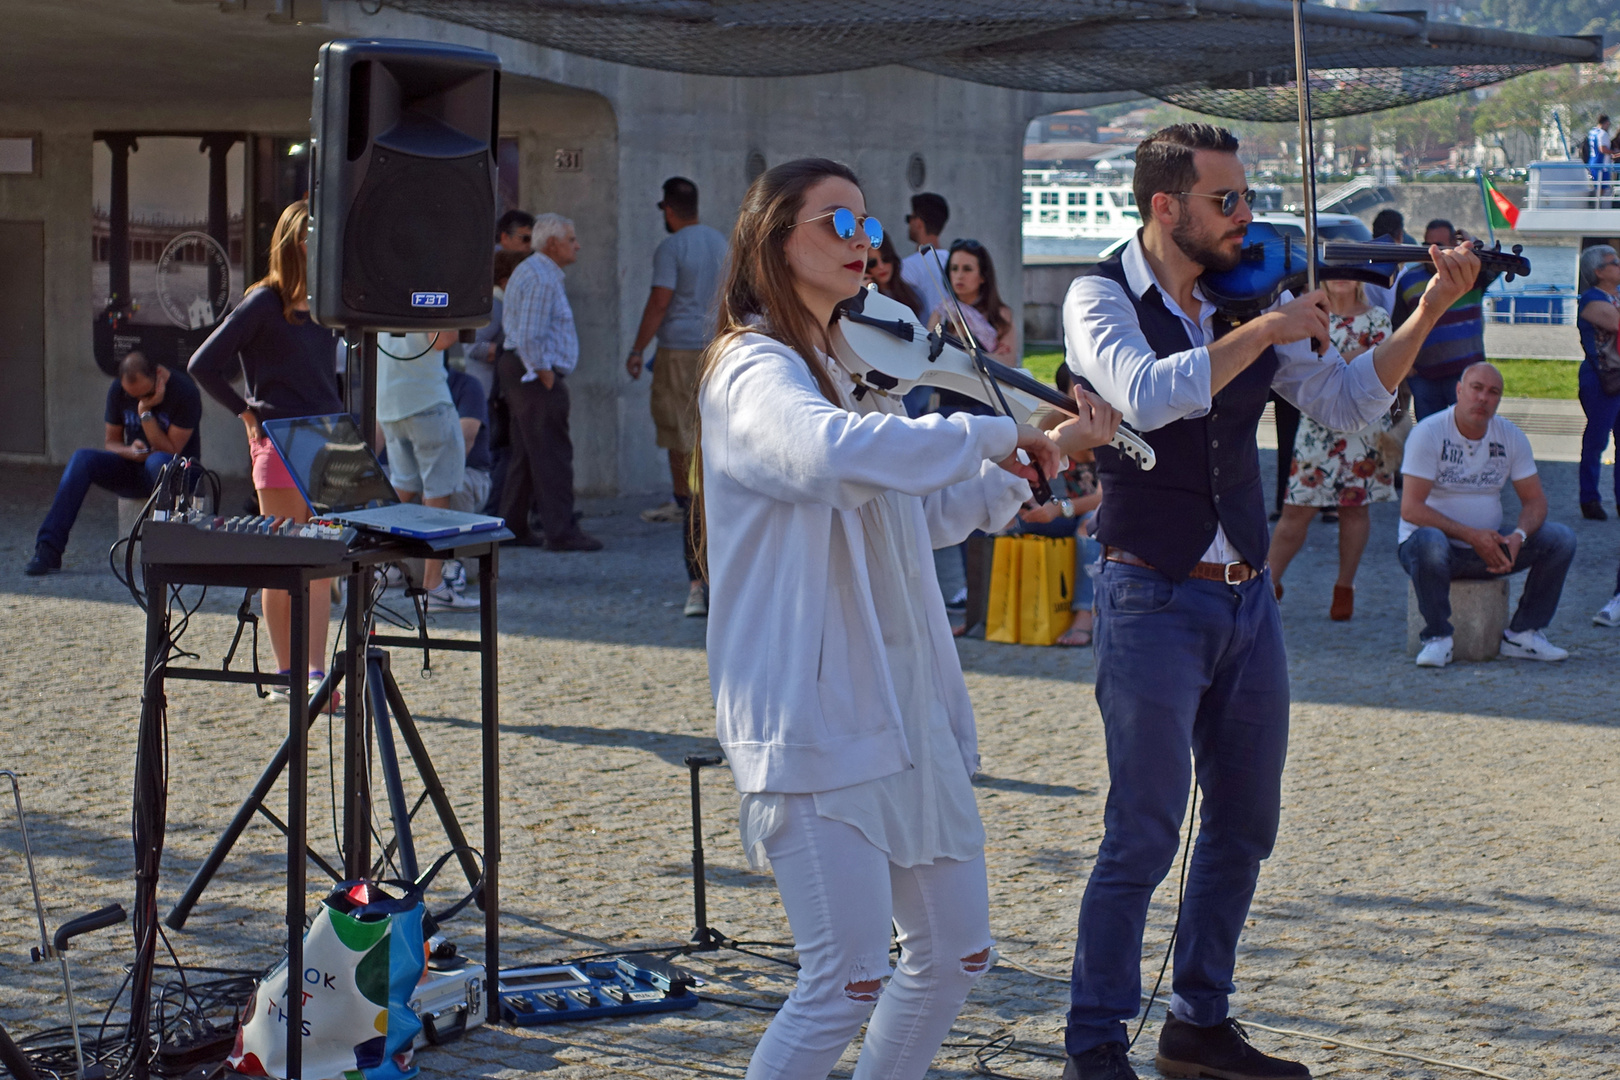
(844, 223)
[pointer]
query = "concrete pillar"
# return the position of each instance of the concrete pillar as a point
(1479, 614)
(118, 222)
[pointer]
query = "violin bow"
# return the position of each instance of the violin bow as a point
(973, 347)
(1307, 143)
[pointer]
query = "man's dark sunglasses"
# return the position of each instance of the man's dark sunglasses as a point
(1229, 201)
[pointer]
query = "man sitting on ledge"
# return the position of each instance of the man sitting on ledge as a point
(152, 416)
(1457, 462)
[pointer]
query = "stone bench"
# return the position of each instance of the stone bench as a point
(1479, 614)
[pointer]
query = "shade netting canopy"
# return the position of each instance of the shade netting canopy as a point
(1231, 58)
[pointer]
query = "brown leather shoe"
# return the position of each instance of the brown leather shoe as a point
(1344, 603)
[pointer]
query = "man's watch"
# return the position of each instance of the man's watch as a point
(145, 416)
(1067, 506)
(1523, 536)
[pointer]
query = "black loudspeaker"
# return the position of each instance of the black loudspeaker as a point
(402, 200)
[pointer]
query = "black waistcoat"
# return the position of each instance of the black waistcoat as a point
(1208, 467)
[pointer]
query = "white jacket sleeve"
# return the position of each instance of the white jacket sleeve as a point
(987, 501)
(768, 427)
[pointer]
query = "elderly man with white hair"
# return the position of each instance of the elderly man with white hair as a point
(1457, 461)
(541, 350)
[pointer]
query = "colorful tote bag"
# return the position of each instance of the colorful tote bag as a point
(363, 957)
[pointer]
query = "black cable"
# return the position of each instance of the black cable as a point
(418, 356)
(738, 1004)
(1175, 928)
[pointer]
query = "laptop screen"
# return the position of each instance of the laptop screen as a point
(334, 468)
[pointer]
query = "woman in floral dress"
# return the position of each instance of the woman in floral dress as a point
(1338, 469)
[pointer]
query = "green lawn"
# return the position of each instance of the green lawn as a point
(1524, 378)
(1043, 365)
(1538, 378)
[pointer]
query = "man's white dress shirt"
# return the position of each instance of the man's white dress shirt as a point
(1105, 345)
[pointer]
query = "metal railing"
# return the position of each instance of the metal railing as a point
(1546, 306)
(1569, 185)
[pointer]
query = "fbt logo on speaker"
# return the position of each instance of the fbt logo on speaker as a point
(430, 299)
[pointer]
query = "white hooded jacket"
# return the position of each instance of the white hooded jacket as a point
(802, 691)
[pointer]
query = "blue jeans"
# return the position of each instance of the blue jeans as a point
(1602, 419)
(1430, 396)
(1433, 562)
(103, 468)
(1190, 675)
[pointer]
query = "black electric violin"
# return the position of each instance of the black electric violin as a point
(887, 351)
(1273, 262)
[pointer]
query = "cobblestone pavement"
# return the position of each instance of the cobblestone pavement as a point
(1445, 882)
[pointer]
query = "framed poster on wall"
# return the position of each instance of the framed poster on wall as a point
(167, 242)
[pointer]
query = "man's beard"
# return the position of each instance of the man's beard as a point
(1198, 247)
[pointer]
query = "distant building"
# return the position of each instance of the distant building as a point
(1074, 125)
(1085, 158)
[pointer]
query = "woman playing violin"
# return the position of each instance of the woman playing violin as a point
(839, 698)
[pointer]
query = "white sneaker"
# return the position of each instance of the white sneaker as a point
(394, 575)
(697, 600)
(1436, 652)
(444, 598)
(1609, 615)
(1530, 645)
(278, 695)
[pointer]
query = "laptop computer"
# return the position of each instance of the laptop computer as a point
(341, 478)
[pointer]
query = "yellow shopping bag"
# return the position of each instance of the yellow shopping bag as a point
(1002, 608)
(1045, 588)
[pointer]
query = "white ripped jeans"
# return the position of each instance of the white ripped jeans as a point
(841, 894)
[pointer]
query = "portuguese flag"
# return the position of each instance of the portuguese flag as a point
(1500, 209)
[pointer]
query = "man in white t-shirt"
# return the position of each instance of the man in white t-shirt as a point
(929, 213)
(1457, 461)
(422, 433)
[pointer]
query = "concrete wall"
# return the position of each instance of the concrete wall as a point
(636, 127)
(75, 388)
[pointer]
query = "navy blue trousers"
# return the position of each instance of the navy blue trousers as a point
(1602, 419)
(103, 468)
(1190, 676)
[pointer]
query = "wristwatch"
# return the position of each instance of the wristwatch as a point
(145, 416)
(1523, 536)
(1067, 506)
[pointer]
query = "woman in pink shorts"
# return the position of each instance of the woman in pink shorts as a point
(290, 366)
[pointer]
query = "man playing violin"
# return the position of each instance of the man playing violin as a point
(1191, 670)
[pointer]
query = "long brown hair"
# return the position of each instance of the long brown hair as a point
(989, 302)
(758, 296)
(289, 268)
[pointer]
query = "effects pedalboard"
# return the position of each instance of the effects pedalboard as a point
(198, 538)
(593, 989)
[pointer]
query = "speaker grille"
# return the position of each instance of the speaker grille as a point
(420, 225)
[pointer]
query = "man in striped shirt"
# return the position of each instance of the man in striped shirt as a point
(1457, 341)
(541, 350)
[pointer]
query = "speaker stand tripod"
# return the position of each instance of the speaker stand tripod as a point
(384, 698)
(706, 938)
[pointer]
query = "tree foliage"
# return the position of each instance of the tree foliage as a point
(1550, 16)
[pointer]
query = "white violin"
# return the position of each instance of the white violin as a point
(887, 351)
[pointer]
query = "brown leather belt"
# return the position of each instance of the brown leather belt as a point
(1232, 573)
